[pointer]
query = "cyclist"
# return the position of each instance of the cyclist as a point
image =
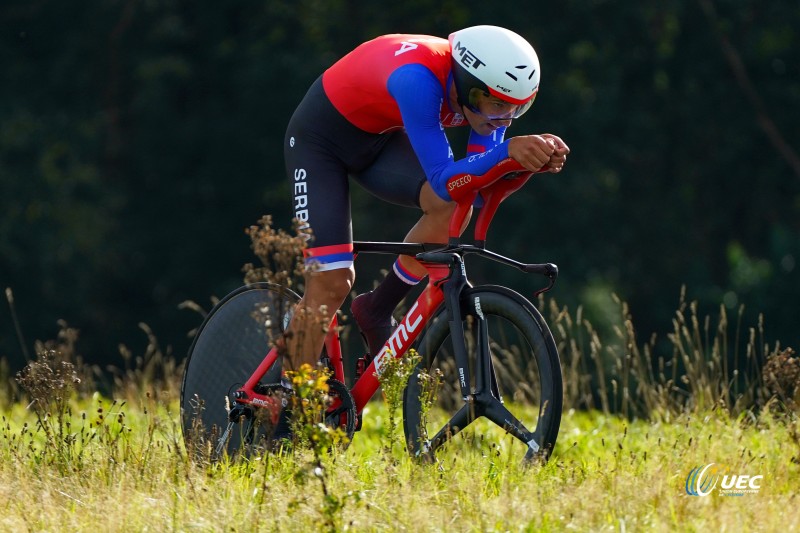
(378, 116)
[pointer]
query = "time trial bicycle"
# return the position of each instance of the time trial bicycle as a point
(496, 353)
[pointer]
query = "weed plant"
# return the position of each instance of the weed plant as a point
(395, 374)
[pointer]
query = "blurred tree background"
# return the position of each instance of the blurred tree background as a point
(138, 138)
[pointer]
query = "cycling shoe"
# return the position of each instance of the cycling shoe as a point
(374, 330)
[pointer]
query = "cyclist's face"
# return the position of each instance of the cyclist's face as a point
(491, 107)
(487, 113)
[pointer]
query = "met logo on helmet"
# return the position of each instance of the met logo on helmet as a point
(467, 58)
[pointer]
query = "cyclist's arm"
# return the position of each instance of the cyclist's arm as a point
(419, 96)
(478, 144)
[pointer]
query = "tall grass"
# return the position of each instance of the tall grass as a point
(607, 473)
(706, 365)
(71, 459)
(639, 415)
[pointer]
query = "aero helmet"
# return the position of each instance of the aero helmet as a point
(497, 61)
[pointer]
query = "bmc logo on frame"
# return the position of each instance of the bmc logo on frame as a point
(702, 481)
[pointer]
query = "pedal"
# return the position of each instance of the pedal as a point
(325, 361)
(239, 411)
(361, 365)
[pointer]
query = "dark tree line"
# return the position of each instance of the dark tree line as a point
(139, 138)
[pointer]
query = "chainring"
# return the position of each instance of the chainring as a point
(342, 414)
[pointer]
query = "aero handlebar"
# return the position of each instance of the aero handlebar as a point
(497, 184)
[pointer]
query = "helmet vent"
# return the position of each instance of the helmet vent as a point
(520, 67)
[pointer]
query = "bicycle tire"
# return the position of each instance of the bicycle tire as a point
(525, 367)
(230, 343)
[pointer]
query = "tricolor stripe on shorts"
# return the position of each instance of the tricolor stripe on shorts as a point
(322, 258)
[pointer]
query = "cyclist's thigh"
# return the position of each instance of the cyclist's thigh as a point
(318, 173)
(321, 150)
(395, 175)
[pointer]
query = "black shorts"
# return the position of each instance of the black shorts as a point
(322, 150)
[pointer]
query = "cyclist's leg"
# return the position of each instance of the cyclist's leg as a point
(319, 180)
(321, 149)
(432, 226)
(324, 293)
(373, 310)
(397, 177)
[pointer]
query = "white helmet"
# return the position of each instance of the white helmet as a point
(497, 61)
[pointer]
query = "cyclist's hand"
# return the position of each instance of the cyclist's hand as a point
(532, 151)
(559, 155)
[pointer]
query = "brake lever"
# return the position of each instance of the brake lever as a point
(548, 270)
(545, 289)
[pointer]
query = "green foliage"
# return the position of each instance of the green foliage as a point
(393, 378)
(706, 362)
(308, 405)
(430, 383)
(606, 472)
(90, 462)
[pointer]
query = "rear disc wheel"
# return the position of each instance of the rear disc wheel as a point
(229, 345)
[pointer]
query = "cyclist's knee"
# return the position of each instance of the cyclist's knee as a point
(433, 206)
(437, 212)
(330, 287)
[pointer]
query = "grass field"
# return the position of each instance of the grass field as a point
(101, 465)
(637, 426)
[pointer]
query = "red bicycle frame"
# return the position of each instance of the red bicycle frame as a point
(398, 344)
(464, 189)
